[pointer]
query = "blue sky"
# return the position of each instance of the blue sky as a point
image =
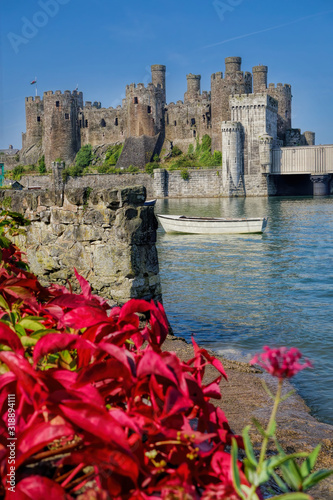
(102, 45)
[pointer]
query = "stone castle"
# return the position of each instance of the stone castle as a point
(244, 116)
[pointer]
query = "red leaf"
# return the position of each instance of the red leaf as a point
(84, 317)
(152, 363)
(10, 339)
(38, 488)
(96, 421)
(36, 437)
(85, 286)
(56, 342)
(212, 360)
(25, 374)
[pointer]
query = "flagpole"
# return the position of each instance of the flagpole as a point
(36, 86)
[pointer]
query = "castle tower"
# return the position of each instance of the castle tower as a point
(232, 153)
(309, 138)
(259, 79)
(34, 115)
(235, 82)
(232, 64)
(282, 93)
(158, 78)
(193, 88)
(61, 130)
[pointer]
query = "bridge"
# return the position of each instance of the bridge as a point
(316, 161)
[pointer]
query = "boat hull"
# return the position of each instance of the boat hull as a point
(197, 225)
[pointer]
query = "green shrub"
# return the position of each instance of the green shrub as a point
(176, 152)
(190, 149)
(132, 170)
(150, 167)
(17, 172)
(218, 158)
(184, 174)
(156, 158)
(41, 165)
(112, 155)
(84, 157)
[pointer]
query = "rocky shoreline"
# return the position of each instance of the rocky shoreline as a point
(243, 397)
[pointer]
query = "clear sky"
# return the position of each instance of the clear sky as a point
(102, 45)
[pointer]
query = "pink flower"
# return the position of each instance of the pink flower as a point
(281, 362)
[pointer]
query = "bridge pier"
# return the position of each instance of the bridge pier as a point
(320, 184)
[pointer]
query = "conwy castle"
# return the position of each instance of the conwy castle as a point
(247, 119)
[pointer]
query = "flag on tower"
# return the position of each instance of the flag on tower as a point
(33, 81)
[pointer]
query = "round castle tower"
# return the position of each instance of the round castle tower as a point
(193, 87)
(158, 77)
(233, 64)
(232, 164)
(61, 130)
(265, 152)
(259, 79)
(34, 115)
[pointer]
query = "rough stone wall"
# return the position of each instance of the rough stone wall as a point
(282, 94)
(232, 159)
(95, 181)
(234, 82)
(145, 109)
(259, 79)
(138, 151)
(61, 137)
(102, 126)
(107, 235)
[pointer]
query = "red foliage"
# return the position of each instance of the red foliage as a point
(136, 420)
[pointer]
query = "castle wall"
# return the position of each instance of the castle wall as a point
(102, 126)
(144, 109)
(186, 122)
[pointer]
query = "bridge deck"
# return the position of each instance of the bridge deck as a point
(303, 160)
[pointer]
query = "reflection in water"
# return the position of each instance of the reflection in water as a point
(236, 293)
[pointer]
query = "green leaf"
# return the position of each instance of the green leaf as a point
(279, 482)
(248, 446)
(20, 330)
(286, 396)
(30, 324)
(247, 489)
(265, 386)
(3, 304)
(4, 242)
(38, 334)
(309, 463)
(234, 467)
(315, 477)
(260, 427)
(28, 341)
(271, 429)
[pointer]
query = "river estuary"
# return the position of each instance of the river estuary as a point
(236, 293)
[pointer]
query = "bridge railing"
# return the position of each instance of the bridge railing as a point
(303, 160)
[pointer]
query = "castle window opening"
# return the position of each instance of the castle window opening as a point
(66, 116)
(86, 123)
(116, 122)
(57, 104)
(135, 100)
(38, 118)
(80, 123)
(149, 109)
(103, 123)
(194, 133)
(192, 121)
(203, 118)
(175, 123)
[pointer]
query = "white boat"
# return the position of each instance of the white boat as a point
(210, 225)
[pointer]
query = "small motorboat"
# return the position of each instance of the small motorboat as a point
(211, 225)
(149, 203)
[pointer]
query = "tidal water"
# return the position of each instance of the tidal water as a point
(237, 293)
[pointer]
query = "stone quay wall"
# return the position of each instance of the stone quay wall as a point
(202, 183)
(106, 234)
